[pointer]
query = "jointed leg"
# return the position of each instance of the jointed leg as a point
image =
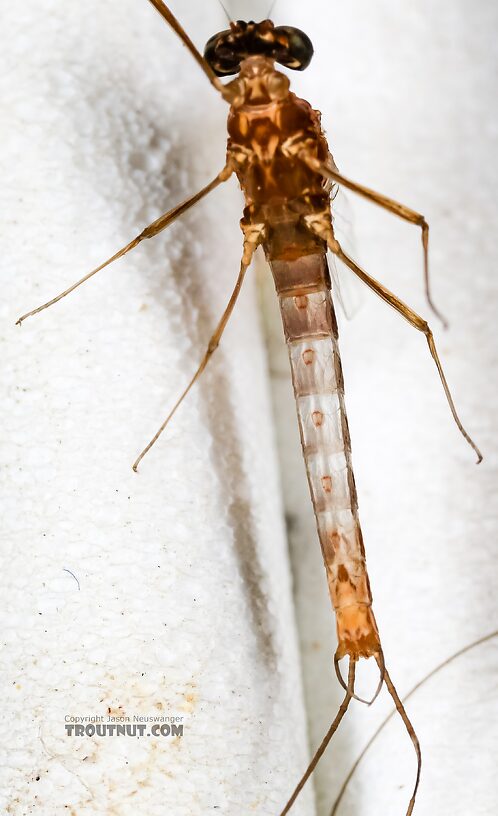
(170, 18)
(149, 232)
(412, 317)
(252, 239)
(389, 204)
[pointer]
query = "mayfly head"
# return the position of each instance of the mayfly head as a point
(286, 45)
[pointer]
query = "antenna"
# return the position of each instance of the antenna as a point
(226, 12)
(268, 16)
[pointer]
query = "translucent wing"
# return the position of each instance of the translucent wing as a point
(348, 291)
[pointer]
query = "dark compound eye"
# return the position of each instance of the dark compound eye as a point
(287, 45)
(299, 51)
(220, 52)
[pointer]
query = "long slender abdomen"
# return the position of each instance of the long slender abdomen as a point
(311, 333)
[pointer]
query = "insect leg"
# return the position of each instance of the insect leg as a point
(149, 232)
(389, 204)
(252, 239)
(170, 18)
(328, 736)
(414, 319)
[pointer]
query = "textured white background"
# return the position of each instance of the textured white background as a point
(185, 605)
(185, 599)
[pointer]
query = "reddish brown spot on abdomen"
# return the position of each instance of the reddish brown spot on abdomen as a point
(342, 573)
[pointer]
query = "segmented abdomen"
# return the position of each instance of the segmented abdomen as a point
(311, 333)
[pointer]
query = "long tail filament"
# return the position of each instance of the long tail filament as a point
(328, 736)
(350, 695)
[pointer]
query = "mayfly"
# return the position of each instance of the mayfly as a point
(278, 152)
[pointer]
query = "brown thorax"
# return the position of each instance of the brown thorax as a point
(257, 84)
